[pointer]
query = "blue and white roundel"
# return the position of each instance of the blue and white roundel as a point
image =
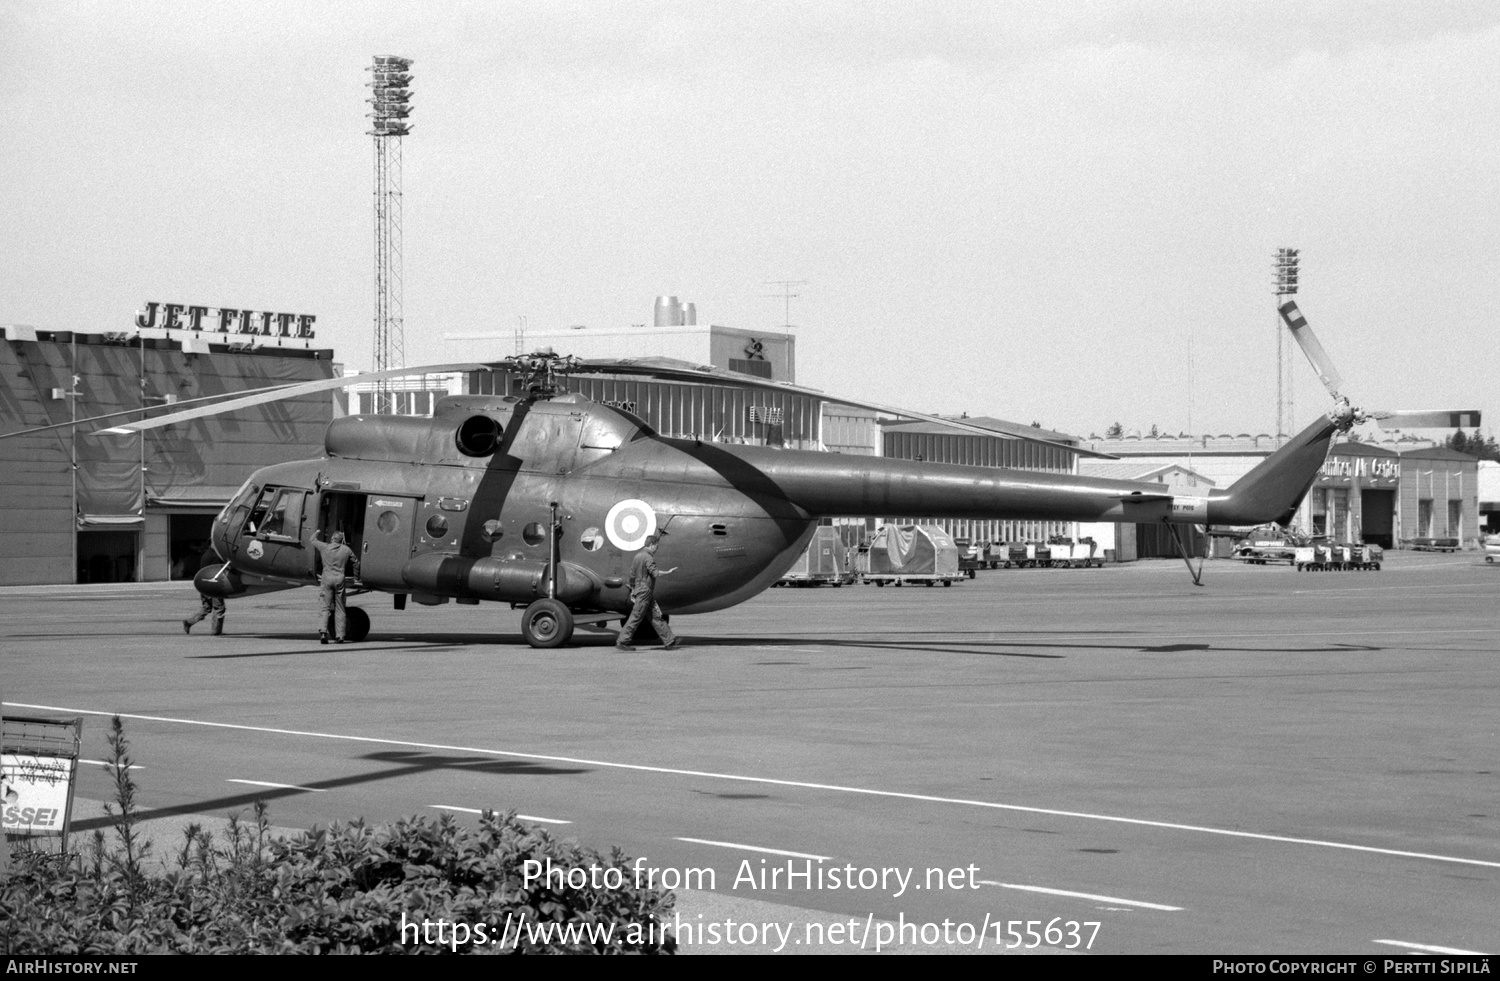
(629, 524)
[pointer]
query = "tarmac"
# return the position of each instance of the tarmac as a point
(1050, 760)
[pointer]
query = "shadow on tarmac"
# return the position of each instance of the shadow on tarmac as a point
(439, 643)
(407, 763)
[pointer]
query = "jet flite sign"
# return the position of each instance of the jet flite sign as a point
(224, 320)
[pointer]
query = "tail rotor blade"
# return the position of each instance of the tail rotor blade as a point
(1426, 419)
(1308, 341)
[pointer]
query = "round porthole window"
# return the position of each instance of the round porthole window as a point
(437, 527)
(534, 533)
(592, 540)
(388, 521)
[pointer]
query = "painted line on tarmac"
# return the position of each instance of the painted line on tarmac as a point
(1083, 895)
(756, 848)
(479, 810)
(1427, 948)
(775, 782)
(280, 786)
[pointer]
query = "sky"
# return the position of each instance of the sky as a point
(1063, 212)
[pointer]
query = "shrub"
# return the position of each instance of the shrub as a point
(418, 885)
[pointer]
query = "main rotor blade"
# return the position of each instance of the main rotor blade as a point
(1426, 419)
(130, 412)
(305, 388)
(1308, 341)
(655, 368)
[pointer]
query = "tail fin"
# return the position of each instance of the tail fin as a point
(1272, 491)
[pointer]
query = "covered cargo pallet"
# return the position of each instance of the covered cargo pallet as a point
(825, 561)
(913, 553)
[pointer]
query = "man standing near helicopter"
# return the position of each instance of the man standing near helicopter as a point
(336, 558)
(643, 573)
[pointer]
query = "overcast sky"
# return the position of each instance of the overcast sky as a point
(1029, 210)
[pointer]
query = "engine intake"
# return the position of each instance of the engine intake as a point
(478, 436)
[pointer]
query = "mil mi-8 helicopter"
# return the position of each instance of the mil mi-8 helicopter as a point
(541, 498)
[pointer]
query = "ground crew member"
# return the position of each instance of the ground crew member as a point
(208, 605)
(643, 574)
(336, 558)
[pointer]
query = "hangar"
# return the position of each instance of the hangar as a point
(81, 508)
(1386, 493)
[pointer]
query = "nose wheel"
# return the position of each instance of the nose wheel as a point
(546, 624)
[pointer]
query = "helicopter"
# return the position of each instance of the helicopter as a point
(540, 498)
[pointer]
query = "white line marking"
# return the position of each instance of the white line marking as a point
(133, 766)
(477, 810)
(1430, 949)
(774, 782)
(1082, 895)
(280, 786)
(753, 848)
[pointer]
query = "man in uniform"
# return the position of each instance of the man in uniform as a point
(336, 558)
(643, 573)
(209, 606)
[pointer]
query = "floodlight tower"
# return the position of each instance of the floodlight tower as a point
(391, 101)
(1286, 285)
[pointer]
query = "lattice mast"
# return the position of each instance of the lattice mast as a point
(1286, 269)
(391, 102)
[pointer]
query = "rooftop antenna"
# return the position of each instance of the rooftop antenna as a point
(787, 295)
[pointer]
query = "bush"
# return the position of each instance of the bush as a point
(418, 885)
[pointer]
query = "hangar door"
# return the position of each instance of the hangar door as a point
(1377, 517)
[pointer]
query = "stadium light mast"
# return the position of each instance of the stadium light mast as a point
(1286, 285)
(391, 101)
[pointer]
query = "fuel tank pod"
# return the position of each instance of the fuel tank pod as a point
(502, 579)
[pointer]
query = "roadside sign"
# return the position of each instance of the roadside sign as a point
(38, 766)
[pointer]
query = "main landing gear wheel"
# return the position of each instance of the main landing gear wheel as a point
(356, 625)
(546, 624)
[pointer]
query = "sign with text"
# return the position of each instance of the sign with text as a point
(224, 320)
(35, 794)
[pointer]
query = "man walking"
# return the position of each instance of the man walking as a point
(336, 559)
(643, 575)
(209, 606)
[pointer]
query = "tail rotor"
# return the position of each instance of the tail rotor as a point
(1345, 414)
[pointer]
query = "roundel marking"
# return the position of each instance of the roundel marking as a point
(629, 524)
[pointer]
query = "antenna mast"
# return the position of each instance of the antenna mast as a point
(787, 295)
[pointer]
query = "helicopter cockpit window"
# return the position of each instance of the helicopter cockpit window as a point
(258, 513)
(283, 515)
